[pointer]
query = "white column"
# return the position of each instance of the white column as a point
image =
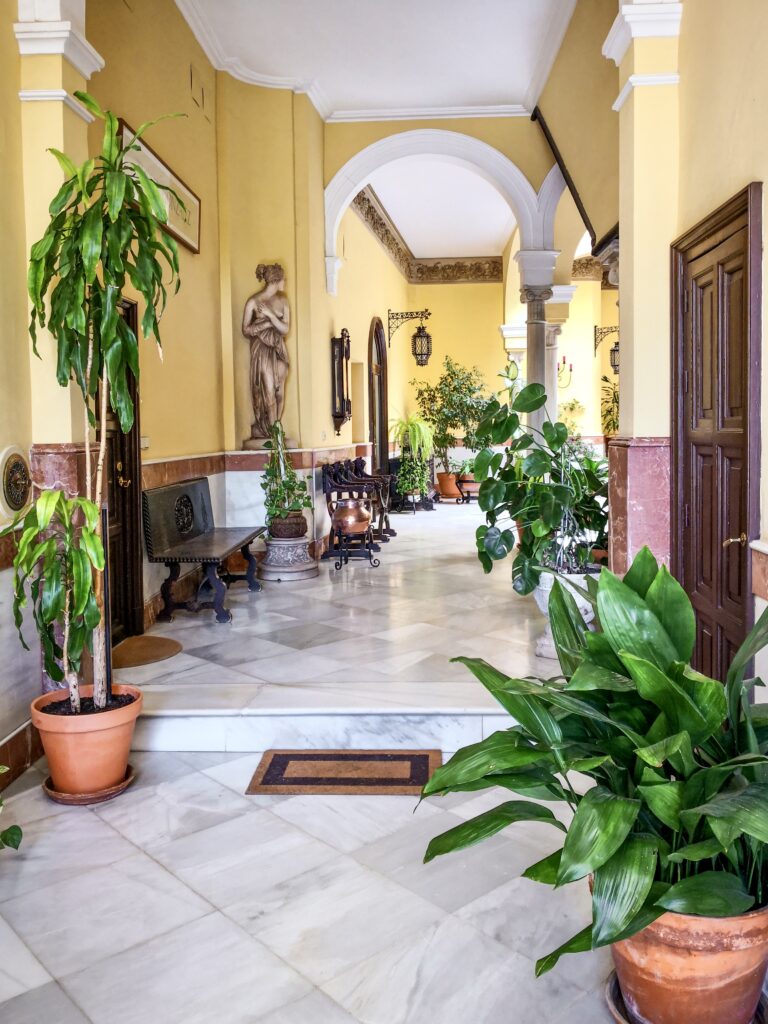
(550, 370)
(537, 268)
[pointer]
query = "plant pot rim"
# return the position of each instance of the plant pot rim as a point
(700, 934)
(110, 719)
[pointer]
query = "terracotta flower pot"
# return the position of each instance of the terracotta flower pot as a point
(446, 483)
(288, 527)
(87, 753)
(694, 970)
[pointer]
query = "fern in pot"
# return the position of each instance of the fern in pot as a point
(106, 235)
(415, 438)
(672, 829)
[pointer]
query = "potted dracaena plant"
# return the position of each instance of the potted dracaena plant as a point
(106, 233)
(673, 830)
(454, 404)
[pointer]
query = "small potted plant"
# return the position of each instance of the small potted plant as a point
(609, 406)
(672, 833)
(415, 438)
(455, 404)
(285, 493)
(11, 836)
(106, 236)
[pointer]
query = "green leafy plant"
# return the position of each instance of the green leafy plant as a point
(106, 233)
(415, 439)
(546, 485)
(454, 404)
(284, 491)
(569, 413)
(677, 817)
(11, 836)
(58, 550)
(609, 406)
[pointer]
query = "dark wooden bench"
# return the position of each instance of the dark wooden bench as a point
(179, 529)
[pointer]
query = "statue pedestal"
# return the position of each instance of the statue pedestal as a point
(288, 560)
(256, 444)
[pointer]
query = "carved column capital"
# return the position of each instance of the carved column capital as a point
(552, 338)
(535, 293)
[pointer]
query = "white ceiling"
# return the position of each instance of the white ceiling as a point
(442, 209)
(370, 59)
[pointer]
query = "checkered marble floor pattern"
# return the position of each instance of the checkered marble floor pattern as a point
(185, 902)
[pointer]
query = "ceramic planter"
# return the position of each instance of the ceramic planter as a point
(446, 483)
(288, 527)
(545, 645)
(694, 970)
(87, 754)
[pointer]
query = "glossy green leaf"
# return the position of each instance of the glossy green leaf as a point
(709, 894)
(589, 676)
(151, 192)
(620, 888)
(642, 572)
(499, 751)
(665, 800)
(89, 103)
(579, 943)
(672, 607)
(11, 837)
(654, 685)
(602, 822)
(488, 824)
(695, 852)
(649, 913)
(568, 628)
(530, 398)
(755, 641)
(67, 165)
(746, 810)
(115, 182)
(630, 625)
(545, 870)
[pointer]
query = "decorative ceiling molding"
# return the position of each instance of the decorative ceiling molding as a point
(428, 113)
(562, 293)
(56, 95)
(587, 268)
(634, 81)
(60, 38)
(483, 270)
(641, 21)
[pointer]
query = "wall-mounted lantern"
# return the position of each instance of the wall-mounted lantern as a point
(421, 340)
(601, 333)
(341, 403)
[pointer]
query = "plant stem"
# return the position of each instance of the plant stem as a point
(88, 368)
(70, 678)
(100, 633)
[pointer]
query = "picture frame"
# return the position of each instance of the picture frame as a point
(183, 224)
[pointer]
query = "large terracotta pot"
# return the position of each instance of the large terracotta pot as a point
(288, 527)
(694, 970)
(351, 515)
(446, 484)
(87, 753)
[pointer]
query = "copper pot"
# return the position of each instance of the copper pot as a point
(694, 970)
(351, 515)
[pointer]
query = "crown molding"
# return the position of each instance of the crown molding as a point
(61, 38)
(641, 21)
(554, 40)
(514, 332)
(537, 266)
(634, 81)
(427, 113)
(56, 95)
(562, 293)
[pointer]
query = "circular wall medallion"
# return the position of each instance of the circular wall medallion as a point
(15, 481)
(184, 514)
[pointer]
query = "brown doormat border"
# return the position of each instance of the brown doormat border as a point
(345, 772)
(143, 650)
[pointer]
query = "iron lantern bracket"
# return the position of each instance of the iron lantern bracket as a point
(396, 320)
(601, 333)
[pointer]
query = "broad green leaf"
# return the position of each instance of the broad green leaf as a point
(90, 241)
(642, 572)
(602, 822)
(657, 753)
(488, 824)
(151, 192)
(482, 463)
(568, 628)
(755, 641)
(598, 651)
(630, 625)
(672, 607)
(538, 463)
(709, 894)
(747, 810)
(45, 507)
(706, 782)
(705, 850)
(531, 398)
(67, 166)
(648, 914)
(110, 146)
(654, 685)
(89, 103)
(665, 800)
(545, 870)
(578, 943)
(589, 676)
(499, 751)
(620, 888)
(11, 836)
(93, 547)
(115, 182)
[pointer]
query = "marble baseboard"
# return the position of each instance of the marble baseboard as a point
(639, 498)
(18, 752)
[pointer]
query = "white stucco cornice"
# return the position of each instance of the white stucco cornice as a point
(514, 332)
(537, 266)
(56, 27)
(641, 21)
(634, 81)
(562, 293)
(59, 96)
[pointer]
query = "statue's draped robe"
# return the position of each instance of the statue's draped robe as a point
(268, 351)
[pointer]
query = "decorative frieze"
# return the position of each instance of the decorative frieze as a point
(487, 269)
(587, 268)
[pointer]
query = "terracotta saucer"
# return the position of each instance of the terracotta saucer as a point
(619, 1011)
(81, 799)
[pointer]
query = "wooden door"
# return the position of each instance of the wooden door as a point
(716, 426)
(378, 396)
(123, 491)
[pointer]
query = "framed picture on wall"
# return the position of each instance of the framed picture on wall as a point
(183, 222)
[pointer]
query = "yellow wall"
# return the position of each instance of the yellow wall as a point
(576, 343)
(576, 104)
(148, 49)
(15, 421)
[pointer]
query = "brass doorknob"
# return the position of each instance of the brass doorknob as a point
(122, 481)
(741, 539)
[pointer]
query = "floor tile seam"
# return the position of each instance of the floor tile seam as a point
(31, 952)
(316, 990)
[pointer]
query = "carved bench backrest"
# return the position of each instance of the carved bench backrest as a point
(176, 513)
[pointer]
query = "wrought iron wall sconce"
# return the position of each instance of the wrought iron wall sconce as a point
(562, 382)
(421, 340)
(600, 334)
(341, 403)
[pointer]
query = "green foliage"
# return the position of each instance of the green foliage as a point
(414, 434)
(569, 413)
(550, 486)
(677, 818)
(454, 404)
(57, 551)
(284, 491)
(106, 232)
(609, 406)
(10, 836)
(413, 475)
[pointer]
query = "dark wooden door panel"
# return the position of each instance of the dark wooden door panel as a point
(715, 415)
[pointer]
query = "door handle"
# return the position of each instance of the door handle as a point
(741, 539)
(122, 482)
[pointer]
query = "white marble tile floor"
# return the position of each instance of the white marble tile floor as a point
(185, 901)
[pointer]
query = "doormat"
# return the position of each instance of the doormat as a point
(347, 772)
(143, 650)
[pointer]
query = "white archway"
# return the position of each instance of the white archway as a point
(535, 214)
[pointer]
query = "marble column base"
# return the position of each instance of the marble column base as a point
(288, 560)
(639, 495)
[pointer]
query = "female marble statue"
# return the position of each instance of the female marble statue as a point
(266, 320)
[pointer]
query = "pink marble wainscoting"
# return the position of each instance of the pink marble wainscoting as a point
(639, 498)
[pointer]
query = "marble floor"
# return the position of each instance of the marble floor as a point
(185, 901)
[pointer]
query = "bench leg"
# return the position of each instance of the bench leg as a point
(219, 593)
(166, 590)
(250, 573)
